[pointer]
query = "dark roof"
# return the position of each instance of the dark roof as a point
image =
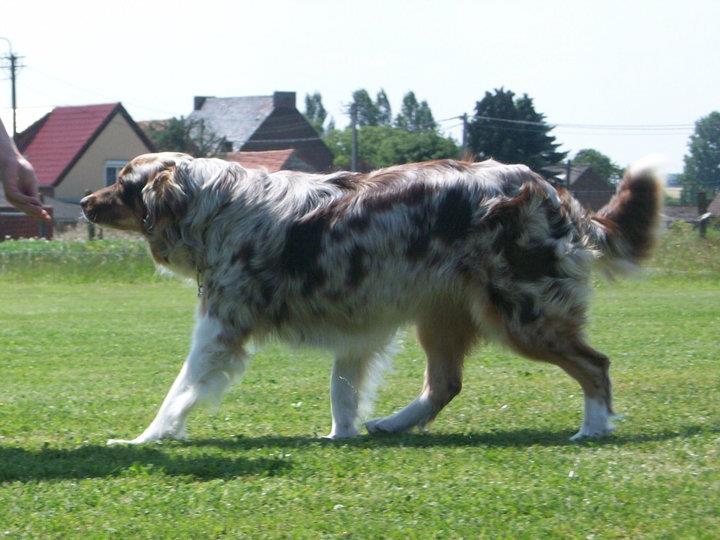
(262, 123)
(676, 213)
(235, 118)
(559, 172)
(587, 187)
(57, 141)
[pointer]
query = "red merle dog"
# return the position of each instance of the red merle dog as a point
(462, 250)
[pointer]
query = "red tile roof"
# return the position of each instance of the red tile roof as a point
(55, 142)
(270, 160)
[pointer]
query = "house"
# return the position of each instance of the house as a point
(262, 123)
(271, 160)
(79, 149)
(692, 214)
(15, 224)
(714, 206)
(585, 185)
(673, 213)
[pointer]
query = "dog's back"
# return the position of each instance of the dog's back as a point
(498, 239)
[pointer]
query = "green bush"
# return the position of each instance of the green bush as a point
(78, 262)
(680, 252)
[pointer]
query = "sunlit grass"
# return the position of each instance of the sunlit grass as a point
(88, 353)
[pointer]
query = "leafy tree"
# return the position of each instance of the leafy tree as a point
(180, 134)
(601, 164)
(315, 112)
(382, 146)
(510, 130)
(415, 116)
(383, 107)
(702, 163)
(367, 111)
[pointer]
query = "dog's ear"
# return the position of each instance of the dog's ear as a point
(165, 198)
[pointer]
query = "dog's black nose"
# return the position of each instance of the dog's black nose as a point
(85, 201)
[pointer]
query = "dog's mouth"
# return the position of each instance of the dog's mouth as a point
(87, 216)
(90, 210)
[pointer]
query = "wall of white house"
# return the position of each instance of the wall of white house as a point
(117, 142)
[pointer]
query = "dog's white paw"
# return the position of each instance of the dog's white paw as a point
(117, 442)
(144, 439)
(339, 436)
(592, 433)
(152, 434)
(341, 432)
(596, 422)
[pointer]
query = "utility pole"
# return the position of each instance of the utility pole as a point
(13, 67)
(353, 150)
(465, 149)
(568, 172)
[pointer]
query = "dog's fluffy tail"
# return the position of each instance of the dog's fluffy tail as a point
(624, 231)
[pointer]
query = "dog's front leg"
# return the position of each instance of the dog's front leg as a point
(346, 387)
(354, 378)
(213, 363)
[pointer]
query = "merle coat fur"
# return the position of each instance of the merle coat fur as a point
(464, 251)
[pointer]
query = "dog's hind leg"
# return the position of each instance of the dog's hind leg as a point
(446, 334)
(591, 369)
(587, 366)
(213, 363)
(352, 383)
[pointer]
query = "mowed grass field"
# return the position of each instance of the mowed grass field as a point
(91, 339)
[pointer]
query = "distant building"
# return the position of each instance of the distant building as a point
(271, 160)
(262, 123)
(585, 185)
(714, 206)
(78, 149)
(673, 213)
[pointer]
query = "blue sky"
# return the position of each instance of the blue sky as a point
(652, 65)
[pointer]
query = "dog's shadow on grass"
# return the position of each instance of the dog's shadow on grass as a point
(520, 438)
(173, 459)
(95, 461)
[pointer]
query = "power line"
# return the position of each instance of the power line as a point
(98, 94)
(644, 127)
(587, 126)
(27, 107)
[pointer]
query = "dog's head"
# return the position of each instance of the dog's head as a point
(147, 193)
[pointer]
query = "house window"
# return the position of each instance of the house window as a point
(112, 168)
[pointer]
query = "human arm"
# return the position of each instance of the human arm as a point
(18, 178)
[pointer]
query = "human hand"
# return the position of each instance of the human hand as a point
(20, 183)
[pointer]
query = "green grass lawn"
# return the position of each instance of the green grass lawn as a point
(87, 353)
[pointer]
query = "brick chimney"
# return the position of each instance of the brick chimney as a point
(283, 100)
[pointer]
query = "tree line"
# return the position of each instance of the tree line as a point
(504, 126)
